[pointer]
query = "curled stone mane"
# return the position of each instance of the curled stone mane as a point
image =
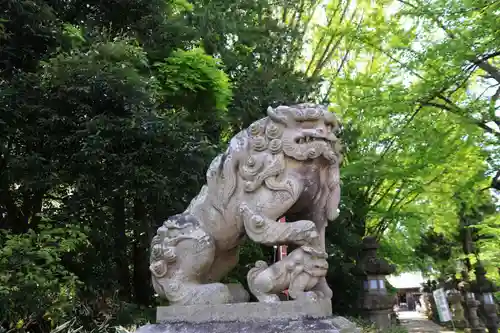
(256, 155)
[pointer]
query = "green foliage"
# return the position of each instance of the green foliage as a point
(22, 48)
(436, 246)
(31, 264)
(423, 120)
(87, 138)
(111, 112)
(110, 116)
(187, 72)
(343, 245)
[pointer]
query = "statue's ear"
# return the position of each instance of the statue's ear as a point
(282, 114)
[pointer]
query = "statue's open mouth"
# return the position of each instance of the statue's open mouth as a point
(307, 139)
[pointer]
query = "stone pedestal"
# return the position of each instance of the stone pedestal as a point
(381, 318)
(288, 316)
(457, 310)
(475, 323)
(484, 290)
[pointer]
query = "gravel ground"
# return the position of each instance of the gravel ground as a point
(415, 322)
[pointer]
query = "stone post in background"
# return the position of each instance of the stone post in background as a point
(455, 299)
(431, 313)
(374, 302)
(471, 305)
(483, 290)
(427, 299)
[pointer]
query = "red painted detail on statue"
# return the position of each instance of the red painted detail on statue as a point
(283, 251)
(283, 248)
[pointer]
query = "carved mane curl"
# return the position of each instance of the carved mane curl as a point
(255, 156)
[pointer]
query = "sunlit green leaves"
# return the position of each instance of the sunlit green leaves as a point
(192, 71)
(423, 121)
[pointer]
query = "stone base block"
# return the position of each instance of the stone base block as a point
(291, 310)
(381, 318)
(288, 316)
(305, 325)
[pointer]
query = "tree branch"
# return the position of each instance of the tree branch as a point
(488, 56)
(480, 62)
(457, 110)
(493, 103)
(323, 36)
(384, 218)
(382, 225)
(488, 68)
(342, 64)
(384, 194)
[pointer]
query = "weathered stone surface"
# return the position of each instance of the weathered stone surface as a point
(289, 310)
(285, 163)
(300, 271)
(305, 325)
(375, 301)
(288, 316)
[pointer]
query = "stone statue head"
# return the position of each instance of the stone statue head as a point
(289, 137)
(305, 132)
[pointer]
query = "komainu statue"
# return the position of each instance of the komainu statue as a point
(298, 272)
(286, 164)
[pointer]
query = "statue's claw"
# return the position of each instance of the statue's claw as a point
(268, 298)
(307, 296)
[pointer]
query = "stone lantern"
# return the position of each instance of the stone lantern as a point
(471, 304)
(428, 300)
(483, 290)
(375, 301)
(455, 299)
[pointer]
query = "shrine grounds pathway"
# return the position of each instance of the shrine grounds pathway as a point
(415, 322)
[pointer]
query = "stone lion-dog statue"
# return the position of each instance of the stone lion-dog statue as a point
(286, 164)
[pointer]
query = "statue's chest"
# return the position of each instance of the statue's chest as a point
(311, 186)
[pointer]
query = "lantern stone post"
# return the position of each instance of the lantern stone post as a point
(471, 305)
(375, 302)
(455, 299)
(483, 290)
(428, 300)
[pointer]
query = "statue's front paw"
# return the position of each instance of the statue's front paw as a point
(305, 229)
(304, 225)
(323, 288)
(309, 296)
(269, 298)
(320, 294)
(313, 234)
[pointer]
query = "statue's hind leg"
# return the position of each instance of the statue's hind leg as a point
(223, 263)
(182, 254)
